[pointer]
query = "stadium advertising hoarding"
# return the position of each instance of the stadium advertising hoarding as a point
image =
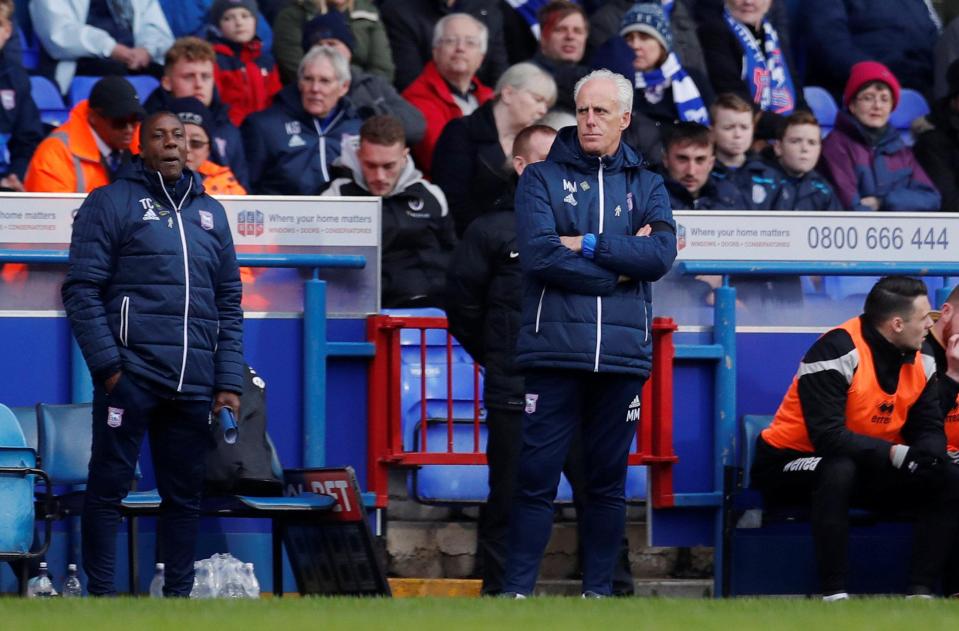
(260, 224)
(816, 236)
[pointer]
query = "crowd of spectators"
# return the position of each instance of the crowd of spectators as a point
(273, 95)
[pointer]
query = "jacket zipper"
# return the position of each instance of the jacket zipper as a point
(646, 320)
(599, 299)
(322, 135)
(186, 275)
(124, 320)
(539, 309)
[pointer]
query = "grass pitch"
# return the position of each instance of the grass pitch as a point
(456, 614)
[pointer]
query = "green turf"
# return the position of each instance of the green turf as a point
(423, 614)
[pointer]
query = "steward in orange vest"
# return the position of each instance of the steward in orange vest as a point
(861, 425)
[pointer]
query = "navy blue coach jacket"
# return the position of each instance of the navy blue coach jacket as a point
(579, 313)
(154, 288)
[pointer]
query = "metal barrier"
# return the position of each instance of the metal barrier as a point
(654, 445)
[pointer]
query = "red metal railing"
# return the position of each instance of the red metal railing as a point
(386, 450)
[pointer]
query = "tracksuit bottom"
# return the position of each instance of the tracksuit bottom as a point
(503, 445)
(180, 437)
(833, 485)
(605, 408)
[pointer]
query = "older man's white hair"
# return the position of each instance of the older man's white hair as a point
(440, 29)
(624, 89)
(341, 67)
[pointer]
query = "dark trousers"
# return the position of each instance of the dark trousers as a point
(559, 402)
(180, 438)
(833, 485)
(503, 444)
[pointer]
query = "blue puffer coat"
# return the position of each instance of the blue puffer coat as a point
(154, 288)
(578, 313)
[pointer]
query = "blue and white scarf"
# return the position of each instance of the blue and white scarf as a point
(689, 102)
(766, 74)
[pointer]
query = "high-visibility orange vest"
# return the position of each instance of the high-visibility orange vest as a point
(869, 410)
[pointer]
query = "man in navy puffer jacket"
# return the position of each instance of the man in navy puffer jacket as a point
(594, 230)
(153, 298)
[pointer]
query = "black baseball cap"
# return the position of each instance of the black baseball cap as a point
(115, 97)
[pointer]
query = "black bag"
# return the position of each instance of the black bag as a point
(245, 467)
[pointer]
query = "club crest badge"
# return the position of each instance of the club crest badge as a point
(114, 417)
(206, 220)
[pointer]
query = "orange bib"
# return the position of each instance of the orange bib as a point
(869, 410)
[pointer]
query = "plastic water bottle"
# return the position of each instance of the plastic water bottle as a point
(202, 581)
(250, 584)
(233, 586)
(156, 585)
(40, 586)
(71, 586)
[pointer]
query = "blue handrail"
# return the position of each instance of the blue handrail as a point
(349, 261)
(827, 268)
(316, 348)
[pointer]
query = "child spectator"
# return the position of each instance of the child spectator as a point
(867, 161)
(733, 128)
(797, 151)
(246, 74)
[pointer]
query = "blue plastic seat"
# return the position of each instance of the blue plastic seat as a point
(81, 85)
(47, 97)
(912, 105)
(823, 106)
(29, 50)
(65, 436)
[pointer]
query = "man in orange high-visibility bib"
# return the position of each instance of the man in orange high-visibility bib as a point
(861, 425)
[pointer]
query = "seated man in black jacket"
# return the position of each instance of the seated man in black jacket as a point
(417, 229)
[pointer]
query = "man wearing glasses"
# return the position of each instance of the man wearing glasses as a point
(448, 88)
(88, 150)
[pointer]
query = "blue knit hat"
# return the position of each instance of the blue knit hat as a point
(649, 18)
(329, 25)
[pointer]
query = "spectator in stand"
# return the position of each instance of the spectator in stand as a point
(746, 57)
(470, 162)
(937, 149)
(899, 34)
(189, 71)
(197, 125)
(733, 126)
(864, 156)
(100, 37)
(90, 149)
(412, 25)
(561, 48)
(688, 159)
(417, 230)
(246, 74)
(606, 22)
(20, 127)
(945, 52)
(370, 93)
(291, 145)
(448, 87)
(664, 91)
(798, 185)
(189, 17)
(370, 47)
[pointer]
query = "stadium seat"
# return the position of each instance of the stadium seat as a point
(47, 97)
(823, 107)
(81, 85)
(29, 50)
(27, 417)
(18, 471)
(912, 105)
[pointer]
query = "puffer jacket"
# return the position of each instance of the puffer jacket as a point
(583, 314)
(289, 151)
(417, 232)
(887, 169)
(154, 288)
(246, 77)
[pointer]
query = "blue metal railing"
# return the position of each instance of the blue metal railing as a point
(316, 348)
(724, 339)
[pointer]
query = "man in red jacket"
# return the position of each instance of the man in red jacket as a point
(448, 88)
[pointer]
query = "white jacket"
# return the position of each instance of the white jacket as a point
(61, 26)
